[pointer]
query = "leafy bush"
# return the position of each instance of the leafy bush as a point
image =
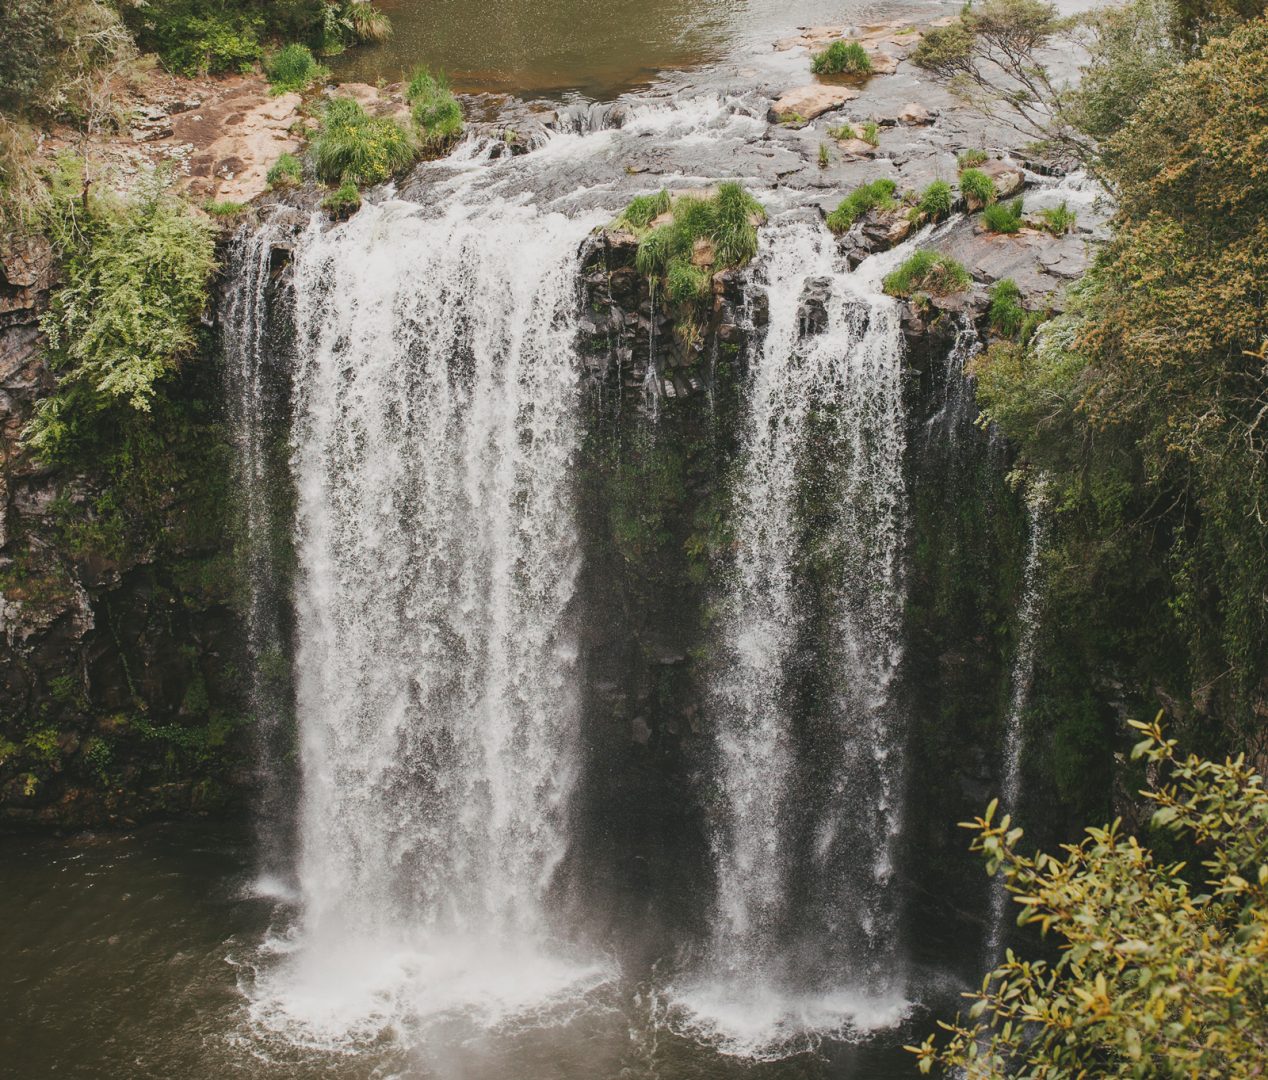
(935, 201)
(195, 38)
(842, 58)
(1003, 217)
(870, 133)
(1006, 313)
(929, 272)
(878, 195)
(343, 202)
(1155, 977)
(436, 111)
(976, 185)
(1059, 220)
(287, 171)
(293, 68)
(971, 159)
(355, 146)
(136, 279)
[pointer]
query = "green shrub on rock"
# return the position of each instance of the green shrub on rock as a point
(1003, 217)
(353, 145)
(1006, 314)
(292, 68)
(343, 202)
(929, 272)
(842, 58)
(878, 195)
(287, 171)
(1059, 220)
(436, 111)
(976, 185)
(935, 201)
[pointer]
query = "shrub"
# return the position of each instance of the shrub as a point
(136, 278)
(842, 58)
(643, 210)
(685, 283)
(929, 272)
(935, 201)
(343, 202)
(1003, 217)
(843, 132)
(224, 209)
(1155, 974)
(23, 195)
(1006, 313)
(870, 133)
(293, 68)
(878, 195)
(971, 159)
(287, 171)
(355, 146)
(975, 184)
(436, 111)
(1058, 220)
(734, 232)
(194, 38)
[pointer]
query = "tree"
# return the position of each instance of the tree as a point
(1157, 977)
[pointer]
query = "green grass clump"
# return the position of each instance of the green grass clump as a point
(870, 133)
(929, 272)
(1003, 217)
(824, 158)
(1058, 220)
(726, 221)
(975, 184)
(293, 68)
(844, 132)
(643, 210)
(343, 202)
(971, 159)
(436, 111)
(366, 22)
(224, 209)
(842, 58)
(287, 171)
(935, 201)
(1006, 314)
(353, 145)
(878, 195)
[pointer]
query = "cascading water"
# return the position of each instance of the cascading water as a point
(434, 426)
(1021, 677)
(797, 948)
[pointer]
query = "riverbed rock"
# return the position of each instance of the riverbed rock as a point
(808, 102)
(914, 114)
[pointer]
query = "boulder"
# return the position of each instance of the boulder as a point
(1009, 179)
(808, 102)
(915, 115)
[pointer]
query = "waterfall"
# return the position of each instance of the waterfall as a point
(434, 426)
(804, 932)
(1021, 676)
(263, 523)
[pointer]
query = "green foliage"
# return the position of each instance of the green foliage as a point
(343, 202)
(928, 272)
(196, 38)
(935, 201)
(436, 111)
(1006, 312)
(685, 283)
(287, 171)
(643, 210)
(842, 58)
(354, 146)
(136, 276)
(293, 68)
(1003, 217)
(1155, 977)
(1058, 220)
(824, 159)
(976, 185)
(23, 195)
(843, 132)
(366, 22)
(971, 159)
(870, 133)
(225, 209)
(725, 222)
(878, 195)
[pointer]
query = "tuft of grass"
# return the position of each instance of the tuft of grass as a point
(343, 202)
(436, 111)
(734, 232)
(824, 159)
(293, 68)
(935, 201)
(929, 272)
(643, 210)
(842, 58)
(1006, 314)
(353, 145)
(1058, 220)
(878, 195)
(971, 159)
(685, 283)
(975, 184)
(844, 132)
(224, 209)
(870, 133)
(366, 22)
(287, 171)
(1003, 217)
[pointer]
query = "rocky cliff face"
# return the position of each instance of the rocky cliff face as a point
(119, 642)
